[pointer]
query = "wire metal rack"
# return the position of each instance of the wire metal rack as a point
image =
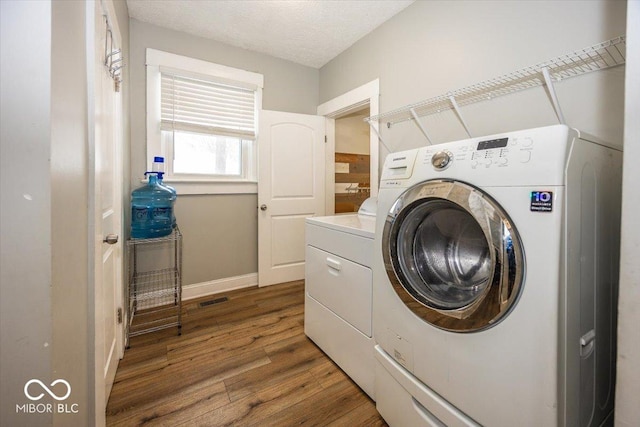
(154, 284)
(603, 55)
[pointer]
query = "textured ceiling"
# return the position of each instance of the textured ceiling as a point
(308, 32)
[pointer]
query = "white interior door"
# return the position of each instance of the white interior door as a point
(291, 185)
(109, 333)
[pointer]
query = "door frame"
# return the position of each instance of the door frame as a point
(366, 95)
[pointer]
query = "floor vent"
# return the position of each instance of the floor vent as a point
(213, 301)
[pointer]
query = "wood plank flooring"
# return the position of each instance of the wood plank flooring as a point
(243, 362)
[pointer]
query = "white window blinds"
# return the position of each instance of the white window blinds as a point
(201, 106)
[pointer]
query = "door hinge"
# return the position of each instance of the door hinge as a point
(119, 315)
(325, 139)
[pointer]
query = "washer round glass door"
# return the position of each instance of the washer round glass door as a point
(453, 256)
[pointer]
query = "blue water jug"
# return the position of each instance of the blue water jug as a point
(158, 167)
(152, 210)
(175, 196)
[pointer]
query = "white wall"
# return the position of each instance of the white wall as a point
(45, 309)
(433, 47)
(72, 344)
(628, 381)
(25, 204)
(220, 232)
(352, 133)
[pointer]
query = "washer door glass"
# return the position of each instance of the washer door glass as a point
(444, 254)
(453, 256)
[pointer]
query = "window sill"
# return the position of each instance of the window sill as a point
(194, 187)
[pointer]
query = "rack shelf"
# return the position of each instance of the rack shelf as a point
(603, 55)
(154, 284)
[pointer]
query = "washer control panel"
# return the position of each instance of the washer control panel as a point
(481, 154)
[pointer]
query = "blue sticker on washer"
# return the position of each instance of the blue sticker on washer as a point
(541, 201)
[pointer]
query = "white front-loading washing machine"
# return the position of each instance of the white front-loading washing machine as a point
(495, 281)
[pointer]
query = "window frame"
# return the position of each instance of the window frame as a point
(158, 146)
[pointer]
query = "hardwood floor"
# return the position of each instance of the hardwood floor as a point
(242, 362)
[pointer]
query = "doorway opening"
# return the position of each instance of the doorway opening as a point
(352, 161)
(351, 149)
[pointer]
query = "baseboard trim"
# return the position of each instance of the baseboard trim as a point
(203, 289)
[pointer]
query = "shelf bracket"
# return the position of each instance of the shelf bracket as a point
(552, 94)
(458, 112)
(373, 128)
(417, 122)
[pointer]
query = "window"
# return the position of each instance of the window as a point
(202, 117)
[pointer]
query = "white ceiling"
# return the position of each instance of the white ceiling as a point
(308, 32)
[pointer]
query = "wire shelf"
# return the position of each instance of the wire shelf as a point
(154, 320)
(154, 293)
(155, 240)
(155, 288)
(603, 55)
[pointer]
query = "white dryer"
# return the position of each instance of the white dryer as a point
(338, 290)
(495, 281)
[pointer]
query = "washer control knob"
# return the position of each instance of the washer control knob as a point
(441, 159)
